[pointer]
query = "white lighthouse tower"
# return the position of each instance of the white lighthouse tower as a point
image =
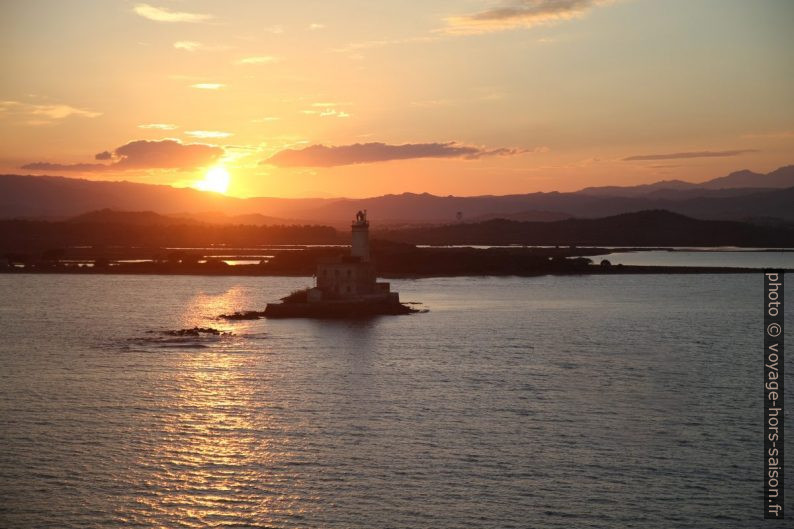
(360, 246)
(345, 279)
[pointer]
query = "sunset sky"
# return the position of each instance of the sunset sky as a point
(362, 98)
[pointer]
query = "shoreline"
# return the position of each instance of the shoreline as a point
(591, 270)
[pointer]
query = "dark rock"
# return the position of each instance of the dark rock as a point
(196, 331)
(337, 309)
(245, 315)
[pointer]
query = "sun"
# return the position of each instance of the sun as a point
(215, 179)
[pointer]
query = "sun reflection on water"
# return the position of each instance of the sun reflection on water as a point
(216, 454)
(206, 307)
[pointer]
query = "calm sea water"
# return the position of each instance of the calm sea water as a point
(732, 259)
(550, 402)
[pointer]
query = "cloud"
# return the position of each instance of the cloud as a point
(326, 109)
(158, 126)
(33, 114)
(682, 155)
(519, 14)
(166, 154)
(262, 59)
(187, 45)
(315, 26)
(159, 14)
(143, 154)
(208, 86)
(327, 112)
(208, 133)
(330, 156)
(192, 45)
(275, 29)
(79, 167)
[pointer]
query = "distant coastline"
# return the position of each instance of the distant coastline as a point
(247, 271)
(397, 261)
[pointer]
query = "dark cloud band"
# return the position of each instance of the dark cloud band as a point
(682, 155)
(143, 154)
(520, 14)
(330, 156)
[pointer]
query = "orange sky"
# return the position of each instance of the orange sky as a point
(353, 98)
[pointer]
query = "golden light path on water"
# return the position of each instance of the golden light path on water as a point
(211, 446)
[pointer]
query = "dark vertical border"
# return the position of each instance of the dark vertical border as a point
(773, 395)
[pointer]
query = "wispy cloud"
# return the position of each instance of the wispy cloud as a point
(193, 46)
(33, 114)
(275, 29)
(259, 59)
(187, 45)
(331, 156)
(325, 109)
(266, 119)
(161, 14)
(158, 126)
(142, 154)
(519, 14)
(208, 86)
(326, 113)
(315, 26)
(683, 155)
(208, 133)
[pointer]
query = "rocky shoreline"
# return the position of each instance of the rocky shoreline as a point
(253, 270)
(393, 261)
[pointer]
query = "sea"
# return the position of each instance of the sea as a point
(543, 402)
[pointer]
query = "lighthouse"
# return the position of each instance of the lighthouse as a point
(360, 247)
(348, 277)
(346, 285)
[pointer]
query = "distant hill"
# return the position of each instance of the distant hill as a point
(525, 216)
(149, 231)
(150, 218)
(25, 196)
(644, 189)
(644, 228)
(249, 219)
(413, 208)
(737, 196)
(731, 184)
(49, 196)
(410, 208)
(782, 177)
(130, 218)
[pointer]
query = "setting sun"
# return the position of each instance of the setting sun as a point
(216, 179)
